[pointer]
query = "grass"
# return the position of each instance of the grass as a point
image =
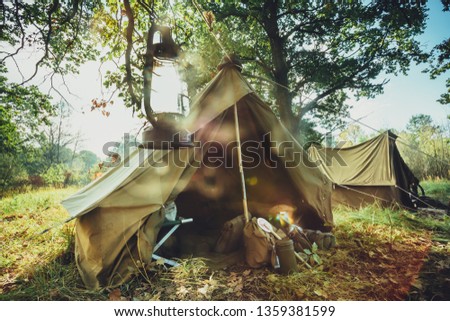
(382, 254)
(34, 266)
(23, 217)
(438, 189)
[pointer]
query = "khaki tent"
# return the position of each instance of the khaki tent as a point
(369, 172)
(120, 215)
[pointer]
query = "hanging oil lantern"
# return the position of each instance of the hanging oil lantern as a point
(165, 104)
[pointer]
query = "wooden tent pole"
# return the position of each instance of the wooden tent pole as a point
(241, 168)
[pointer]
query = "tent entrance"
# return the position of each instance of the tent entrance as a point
(213, 194)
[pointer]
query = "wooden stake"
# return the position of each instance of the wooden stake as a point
(241, 168)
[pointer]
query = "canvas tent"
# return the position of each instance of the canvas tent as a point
(119, 215)
(373, 171)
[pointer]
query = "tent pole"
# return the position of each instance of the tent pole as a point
(241, 168)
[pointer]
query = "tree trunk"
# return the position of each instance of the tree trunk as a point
(282, 93)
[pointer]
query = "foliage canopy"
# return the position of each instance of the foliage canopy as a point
(305, 57)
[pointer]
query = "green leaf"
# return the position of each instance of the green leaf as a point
(317, 259)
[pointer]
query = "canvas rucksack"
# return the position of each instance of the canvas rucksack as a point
(259, 245)
(231, 235)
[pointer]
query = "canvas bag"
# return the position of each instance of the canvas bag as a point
(259, 245)
(231, 235)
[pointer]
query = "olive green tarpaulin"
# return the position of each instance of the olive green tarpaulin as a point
(369, 172)
(120, 214)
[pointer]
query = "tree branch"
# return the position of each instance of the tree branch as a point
(52, 10)
(22, 33)
(17, 66)
(52, 87)
(258, 61)
(70, 44)
(341, 85)
(296, 11)
(67, 87)
(149, 8)
(73, 11)
(129, 37)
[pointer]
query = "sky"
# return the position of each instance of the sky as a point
(416, 93)
(403, 97)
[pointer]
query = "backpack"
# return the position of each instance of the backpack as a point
(259, 245)
(231, 235)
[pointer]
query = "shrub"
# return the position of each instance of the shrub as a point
(57, 175)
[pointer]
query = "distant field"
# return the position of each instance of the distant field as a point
(382, 254)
